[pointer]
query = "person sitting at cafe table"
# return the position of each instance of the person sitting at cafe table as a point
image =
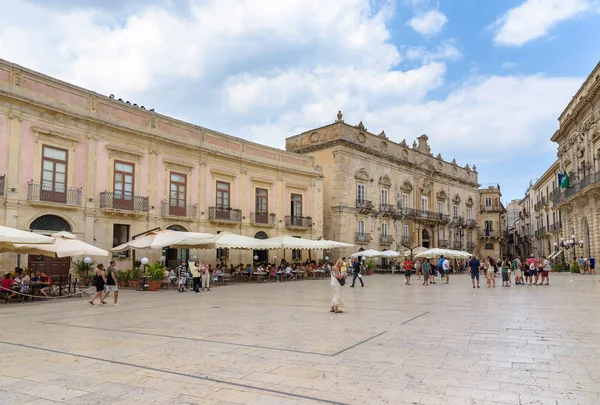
(25, 280)
(46, 282)
(7, 283)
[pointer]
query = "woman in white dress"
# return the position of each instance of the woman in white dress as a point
(336, 276)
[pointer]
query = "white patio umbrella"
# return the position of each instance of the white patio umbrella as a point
(367, 253)
(164, 238)
(65, 245)
(228, 240)
(390, 253)
(415, 251)
(290, 242)
(10, 236)
(447, 253)
(332, 244)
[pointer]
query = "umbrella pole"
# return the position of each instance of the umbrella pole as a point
(309, 255)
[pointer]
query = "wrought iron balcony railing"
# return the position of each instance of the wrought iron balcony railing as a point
(386, 239)
(488, 233)
(298, 222)
(407, 241)
(224, 214)
(364, 205)
(362, 237)
(443, 243)
(457, 245)
(53, 194)
(471, 223)
(457, 221)
(262, 218)
(123, 202)
(176, 210)
(387, 209)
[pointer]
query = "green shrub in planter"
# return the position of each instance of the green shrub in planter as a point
(558, 267)
(155, 271)
(574, 267)
(134, 274)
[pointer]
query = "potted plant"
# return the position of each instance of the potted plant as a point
(574, 267)
(83, 270)
(155, 274)
(370, 264)
(123, 277)
(133, 277)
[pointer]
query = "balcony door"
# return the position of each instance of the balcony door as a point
(360, 194)
(123, 186)
(261, 208)
(223, 200)
(54, 175)
(296, 209)
(177, 197)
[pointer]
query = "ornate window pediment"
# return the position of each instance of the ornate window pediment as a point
(362, 175)
(385, 181)
(469, 202)
(441, 195)
(407, 187)
(456, 199)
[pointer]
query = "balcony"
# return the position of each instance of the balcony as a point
(300, 223)
(471, 223)
(540, 232)
(263, 219)
(120, 202)
(457, 221)
(387, 210)
(407, 241)
(405, 213)
(38, 194)
(577, 186)
(2, 185)
(188, 212)
(540, 204)
(224, 215)
(491, 208)
(362, 238)
(386, 240)
(470, 246)
(428, 215)
(364, 206)
(457, 245)
(443, 244)
(488, 233)
(556, 227)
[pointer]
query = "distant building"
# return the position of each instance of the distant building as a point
(492, 232)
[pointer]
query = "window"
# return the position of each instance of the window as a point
(384, 196)
(296, 253)
(405, 204)
(488, 227)
(361, 227)
(488, 202)
(177, 197)
(405, 231)
(222, 195)
(123, 185)
(120, 236)
(222, 254)
(441, 207)
(469, 213)
(440, 234)
(54, 175)
(296, 208)
(384, 229)
(489, 246)
(424, 203)
(360, 193)
(455, 211)
(261, 206)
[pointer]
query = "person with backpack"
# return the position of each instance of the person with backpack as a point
(98, 281)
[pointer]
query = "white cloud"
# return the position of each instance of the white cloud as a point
(534, 18)
(445, 51)
(508, 65)
(428, 23)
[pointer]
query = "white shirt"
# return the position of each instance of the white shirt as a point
(446, 265)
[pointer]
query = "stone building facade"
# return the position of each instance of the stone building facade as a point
(547, 218)
(379, 194)
(492, 223)
(523, 229)
(107, 170)
(578, 139)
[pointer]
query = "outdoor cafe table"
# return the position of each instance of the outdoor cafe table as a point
(320, 273)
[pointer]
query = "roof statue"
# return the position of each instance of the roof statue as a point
(361, 126)
(423, 146)
(340, 116)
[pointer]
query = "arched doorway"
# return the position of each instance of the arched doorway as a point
(425, 238)
(54, 267)
(586, 238)
(263, 255)
(175, 256)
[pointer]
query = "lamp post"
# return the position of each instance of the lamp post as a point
(574, 243)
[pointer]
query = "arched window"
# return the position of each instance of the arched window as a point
(50, 223)
(178, 228)
(489, 246)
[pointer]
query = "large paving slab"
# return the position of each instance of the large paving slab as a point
(277, 343)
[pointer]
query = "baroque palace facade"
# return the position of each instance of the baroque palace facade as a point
(381, 195)
(107, 170)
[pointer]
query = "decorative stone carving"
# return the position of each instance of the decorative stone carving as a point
(426, 187)
(439, 156)
(469, 202)
(403, 143)
(467, 167)
(407, 187)
(384, 145)
(361, 126)
(340, 116)
(383, 135)
(441, 195)
(361, 137)
(423, 146)
(405, 154)
(314, 137)
(475, 168)
(454, 162)
(385, 181)
(154, 121)
(362, 175)
(456, 199)
(16, 78)
(414, 145)
(119, 152)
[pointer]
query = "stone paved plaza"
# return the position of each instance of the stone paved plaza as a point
(278, 344)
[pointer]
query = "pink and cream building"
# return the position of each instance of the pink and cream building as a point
(107, 170)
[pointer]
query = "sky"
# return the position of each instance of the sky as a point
(485, 80)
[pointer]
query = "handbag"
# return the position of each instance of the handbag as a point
(342, 281)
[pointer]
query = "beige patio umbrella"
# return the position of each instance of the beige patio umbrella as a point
(65, 244)
(9, 236)
(164, 238)
(228, 240)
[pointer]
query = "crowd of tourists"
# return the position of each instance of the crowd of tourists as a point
(25, 283)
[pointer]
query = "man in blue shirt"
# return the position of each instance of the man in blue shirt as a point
(356, 271)
(474, 265)
(592, 263)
